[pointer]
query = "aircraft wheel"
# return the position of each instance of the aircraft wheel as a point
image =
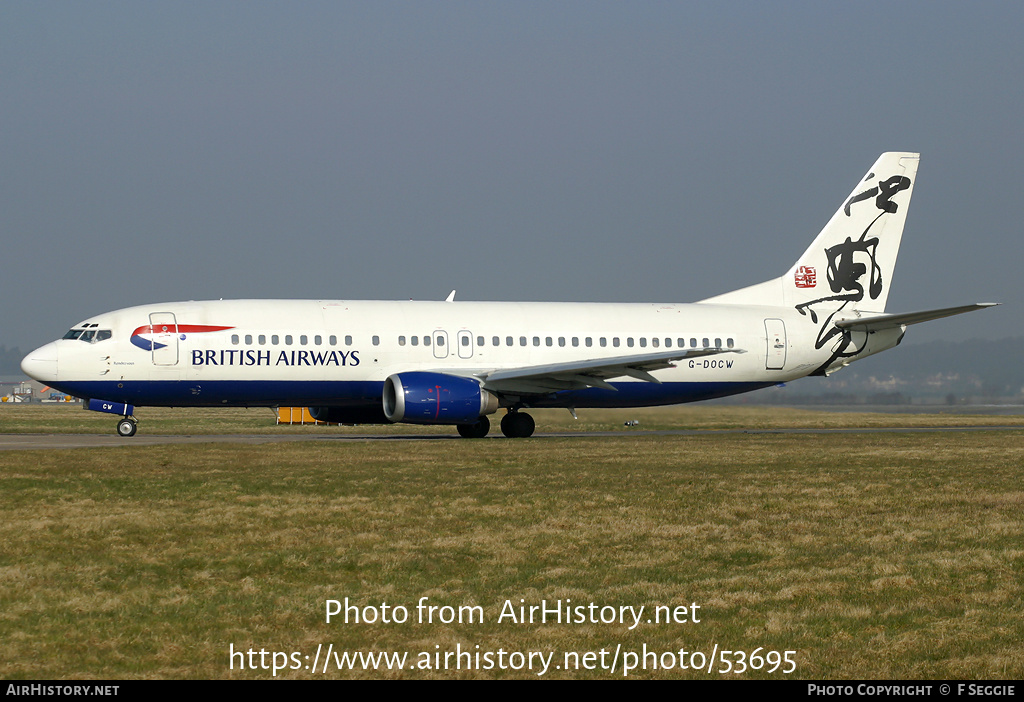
(476, 430)
(127, 426)
(525, 425)
(517, 425)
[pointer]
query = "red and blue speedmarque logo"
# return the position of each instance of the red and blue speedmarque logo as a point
(145, 336)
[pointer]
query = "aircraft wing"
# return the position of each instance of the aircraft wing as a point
(577, 375)
(889, 321)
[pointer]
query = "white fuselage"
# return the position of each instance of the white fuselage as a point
(308, 352)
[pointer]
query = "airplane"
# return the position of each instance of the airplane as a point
(457, 362)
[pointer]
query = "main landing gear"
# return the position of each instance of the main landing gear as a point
(126, 426)
(517, 425)
(514, 425)
(476, 430)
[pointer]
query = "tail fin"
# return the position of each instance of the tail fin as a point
(850, 263)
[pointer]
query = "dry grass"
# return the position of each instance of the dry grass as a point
(871, 555)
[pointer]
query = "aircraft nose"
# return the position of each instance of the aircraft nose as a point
(41, 364)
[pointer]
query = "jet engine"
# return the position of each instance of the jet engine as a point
(420, 397)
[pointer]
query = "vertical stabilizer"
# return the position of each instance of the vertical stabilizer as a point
(850, 263)
(852, 259)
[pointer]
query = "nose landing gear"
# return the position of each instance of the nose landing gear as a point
(127, 426)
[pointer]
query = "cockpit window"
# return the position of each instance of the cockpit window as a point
(90, 336)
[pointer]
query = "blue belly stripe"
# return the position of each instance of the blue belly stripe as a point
(342, 393)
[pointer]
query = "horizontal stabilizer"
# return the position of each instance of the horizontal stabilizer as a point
(889, 321)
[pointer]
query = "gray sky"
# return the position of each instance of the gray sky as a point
(158, 151)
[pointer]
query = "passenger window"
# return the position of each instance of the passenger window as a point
(348, 340)
(643, 342)
(536, 341)
(376, 340)
(729, 342)
(693, 342)
(655, 342)
(234, 339)
(401, 341)
(547, 341)
(589, 342)
(415, 341)
(615, 341)
(440, 340)
(318, 340)
(718, 343)
(333, 339)
(480, 341)
(287, 339)
(706, 342)
(495, 341)
(522, 341)
(426, 341)
(629, 341)
(508, 341)
(604, 342)
(303, 340)
(263, 339)
(575, 341)
(248, 339)
(465, 341)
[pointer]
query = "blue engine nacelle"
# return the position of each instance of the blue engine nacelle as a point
(435, 398)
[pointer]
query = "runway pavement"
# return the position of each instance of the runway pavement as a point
(10, 442)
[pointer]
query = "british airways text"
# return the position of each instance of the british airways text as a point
(252, 357)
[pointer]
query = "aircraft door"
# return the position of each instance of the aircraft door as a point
(465, 344)
(775, 331)
(440, 344)
(163, 329)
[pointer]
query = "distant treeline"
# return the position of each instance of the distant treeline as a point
(10, 360)
(974, 368)
(841, 398)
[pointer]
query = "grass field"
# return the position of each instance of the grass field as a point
(895, 555)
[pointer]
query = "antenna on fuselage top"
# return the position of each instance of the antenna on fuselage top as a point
(451, 297)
